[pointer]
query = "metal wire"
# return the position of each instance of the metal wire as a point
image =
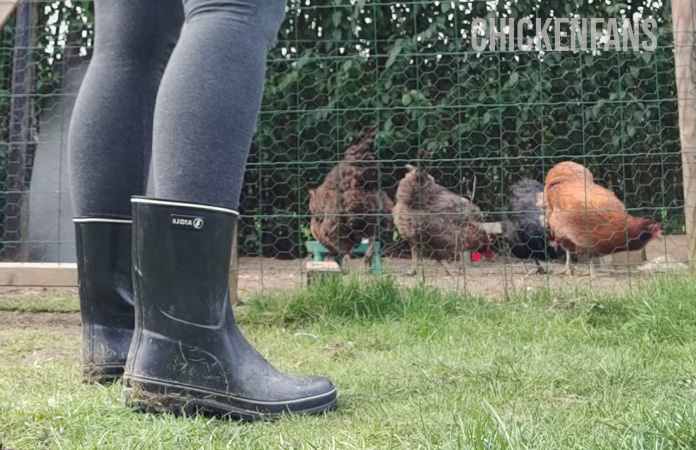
(407, 67)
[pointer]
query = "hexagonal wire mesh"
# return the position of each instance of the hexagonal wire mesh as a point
(470, 123)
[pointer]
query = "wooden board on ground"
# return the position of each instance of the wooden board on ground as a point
(674, 245)
(492, 227)
(316, 270)
(322, 266)
(38, 274)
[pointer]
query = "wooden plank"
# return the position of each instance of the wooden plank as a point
(316, 270)
(683, 20)
(632, 257)
(322, 266)
(7, 7)
(675, 245)
(38, 274)
(492, 227)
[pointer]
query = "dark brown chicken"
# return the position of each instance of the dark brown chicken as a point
(349, 206)
(587, 219)
(439, 223)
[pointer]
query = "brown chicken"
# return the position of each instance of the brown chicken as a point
(439, 223)
(349, 206)
(587, 219)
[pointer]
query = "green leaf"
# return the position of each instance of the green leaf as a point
(394, 53)
(596, 109)
(304, 59)
(407, 99)
(514, 77)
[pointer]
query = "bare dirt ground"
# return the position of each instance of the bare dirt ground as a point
(15, 319)
(490, 278)
(494, 278)
(61, 329)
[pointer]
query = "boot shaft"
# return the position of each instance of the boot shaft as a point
(185, 271)
(103, 249)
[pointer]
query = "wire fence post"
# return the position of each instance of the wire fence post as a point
(684, 20)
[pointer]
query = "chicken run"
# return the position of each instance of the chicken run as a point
(386, 144)
(568, 218)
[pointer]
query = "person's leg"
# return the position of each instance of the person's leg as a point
(110, 138)
(209, 99)
(188, 354)
(110, 146)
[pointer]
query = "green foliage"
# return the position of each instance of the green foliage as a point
(64, 29)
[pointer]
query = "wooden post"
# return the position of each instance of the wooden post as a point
(684, 26)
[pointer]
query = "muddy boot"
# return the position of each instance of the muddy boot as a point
(106, 295)
(188, 355)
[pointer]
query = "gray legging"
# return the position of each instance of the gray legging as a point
(187, 96)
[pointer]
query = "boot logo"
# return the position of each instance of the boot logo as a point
(188, 222)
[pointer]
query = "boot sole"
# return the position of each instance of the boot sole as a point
(156, 397)
(102, 374)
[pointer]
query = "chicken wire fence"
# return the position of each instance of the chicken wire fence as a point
(471, 122)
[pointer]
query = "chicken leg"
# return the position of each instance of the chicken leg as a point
(446, 267)
(370, 251)
(569, 270)
(414, 261)
(540, 270)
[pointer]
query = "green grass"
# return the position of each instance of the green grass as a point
(43, 302)
(416, 369)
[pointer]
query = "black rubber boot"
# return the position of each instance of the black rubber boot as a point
(188, 354)
(106, 295)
